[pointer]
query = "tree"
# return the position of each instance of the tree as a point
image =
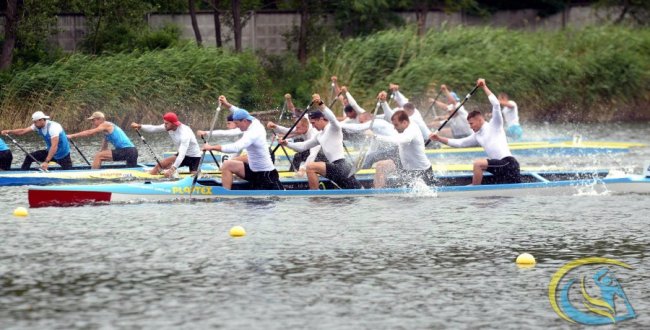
(195, 24)
(236, 23)
(302, 37)
(113, 26)
(217, 23)
(11, 33)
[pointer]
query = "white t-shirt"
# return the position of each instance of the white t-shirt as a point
(254, 141)
(491, 136)
(311, 132)
(330, 139)
(411, 148)
(511, 114)
(183, 138)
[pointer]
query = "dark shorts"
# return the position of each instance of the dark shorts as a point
(339, 173)
(504, 170)
(407, 177)
(40, 155)
(130, 155)
(302, 156)
(191, 162)
(5, 160)
(263, 180)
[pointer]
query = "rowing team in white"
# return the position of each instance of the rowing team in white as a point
(322, 146)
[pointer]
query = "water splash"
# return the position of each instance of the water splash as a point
(420, 189)
(592, 188)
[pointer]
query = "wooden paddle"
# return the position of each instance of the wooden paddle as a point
(198, 170)
(453, 113)
(26, 153)
(79, 151)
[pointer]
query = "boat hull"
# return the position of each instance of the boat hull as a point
(211, 189)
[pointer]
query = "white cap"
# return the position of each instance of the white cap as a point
(38, 115)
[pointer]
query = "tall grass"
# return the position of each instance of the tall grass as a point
(597, 73)
(135, 86)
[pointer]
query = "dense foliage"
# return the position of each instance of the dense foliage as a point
(135, 86)
(586, 74)
(597, 73)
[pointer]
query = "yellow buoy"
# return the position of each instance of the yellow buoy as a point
(237, 231)
(21, 212)
(525, 259)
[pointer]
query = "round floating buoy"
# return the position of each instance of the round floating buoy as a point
(237, 231)
(21, 212)
(526, 260)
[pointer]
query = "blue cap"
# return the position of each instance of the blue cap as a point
(242, 114)
(455, 96)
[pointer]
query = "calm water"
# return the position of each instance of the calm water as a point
(404, 262)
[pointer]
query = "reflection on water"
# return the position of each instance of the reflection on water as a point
(378, 262)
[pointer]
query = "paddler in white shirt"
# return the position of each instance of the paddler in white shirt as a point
(492, 137)
(414, 114)
(458, 125)
(231, 133)
(188, 153)
(258, 167)
(330, 138)
(413, 163)
(302, 132)
(511, 117)
(378, 150)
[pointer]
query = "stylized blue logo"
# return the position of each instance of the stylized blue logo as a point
(592, 310)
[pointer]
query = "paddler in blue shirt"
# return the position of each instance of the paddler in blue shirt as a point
(58, 148)
(113, 134)
(5, 156)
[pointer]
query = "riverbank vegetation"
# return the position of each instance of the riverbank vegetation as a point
(598, 73)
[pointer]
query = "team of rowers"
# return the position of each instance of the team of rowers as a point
(398, 140)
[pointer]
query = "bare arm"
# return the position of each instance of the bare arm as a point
(18, 131)
(105, 127)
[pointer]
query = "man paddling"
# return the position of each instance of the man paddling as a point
(511, 117)
(492, 138)
(113, 134)
(458, 125)
(57, 145)
(414, 114)
(330, 138)
(188, 151)
(258, 167)
(378, 150)
(302, 132)
(413, 163)
(5, 156)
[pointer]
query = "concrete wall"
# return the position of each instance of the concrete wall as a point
(266, 30)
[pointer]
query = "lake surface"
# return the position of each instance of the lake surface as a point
(393, 262)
